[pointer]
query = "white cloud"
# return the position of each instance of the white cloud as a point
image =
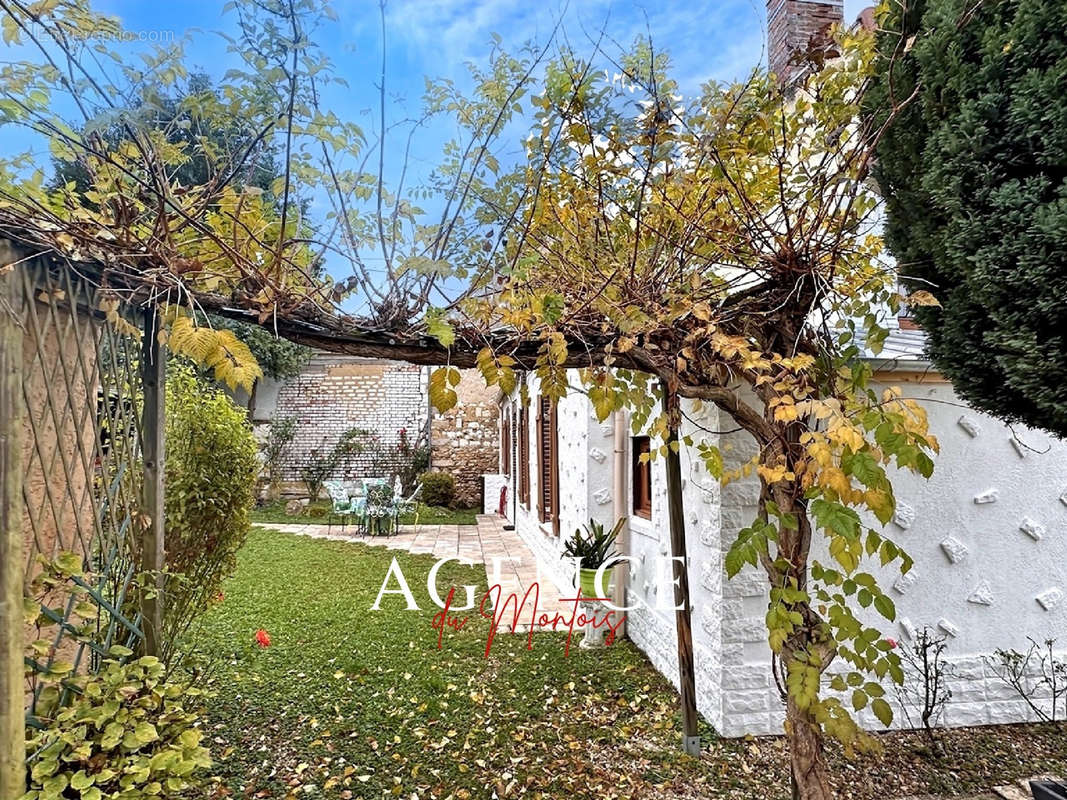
(709, 39)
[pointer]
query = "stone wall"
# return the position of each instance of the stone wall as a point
(335, 393)
(466, 439)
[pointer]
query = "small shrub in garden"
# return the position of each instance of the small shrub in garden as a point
(315, 471)
(925, 693)
(126, 733)
(438, 488)
(1038, 677)
(211, 471)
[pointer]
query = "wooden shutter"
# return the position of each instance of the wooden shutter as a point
(524, 457)
(641, 491)
(547, 463)
(505, 441)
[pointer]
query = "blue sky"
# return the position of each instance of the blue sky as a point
(712, 39)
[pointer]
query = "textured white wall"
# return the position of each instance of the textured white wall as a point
(1006, 583)
(652, 627)
(979, 578)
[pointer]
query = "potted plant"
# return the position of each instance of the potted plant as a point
(594, 547)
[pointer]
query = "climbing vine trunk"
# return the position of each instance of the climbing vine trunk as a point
(12, 727)
(811, 780)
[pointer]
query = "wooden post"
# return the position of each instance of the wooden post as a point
(682, 619)
(153, 380)
(622, 544)
(12, 696)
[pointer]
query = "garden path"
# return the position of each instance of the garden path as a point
(476, 544)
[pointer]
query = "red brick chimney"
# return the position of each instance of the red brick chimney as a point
(795, 28)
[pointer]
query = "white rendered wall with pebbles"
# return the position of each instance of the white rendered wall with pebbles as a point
(988, 533)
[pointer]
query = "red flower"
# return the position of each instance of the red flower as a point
(220, 597)
(262, 638)
(891, 642)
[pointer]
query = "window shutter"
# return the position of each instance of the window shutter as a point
(541, 460)
(554, 462)
(524, 457)
(505, 441)
(641, 491)
(547, 463)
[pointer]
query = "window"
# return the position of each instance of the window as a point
(641, 492)
(524, 457)
(505, 441)
(547, 463)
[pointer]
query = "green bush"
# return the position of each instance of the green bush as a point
(438, 488)
(973, 174)
(125, 734)
(211, 472)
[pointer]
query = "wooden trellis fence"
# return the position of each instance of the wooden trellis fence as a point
(81, 449)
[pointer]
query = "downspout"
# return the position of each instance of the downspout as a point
(622, 544)
(425, 376)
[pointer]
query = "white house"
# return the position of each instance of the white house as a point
(988, 533)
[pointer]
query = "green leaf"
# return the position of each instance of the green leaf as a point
(440, 328)
(80, 780)
(712, 460)
(145, 732)
(883, 711)
(553, 308)
(865, 469)
(884, 606)
(69, 563)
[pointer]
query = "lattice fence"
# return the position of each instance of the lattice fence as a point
(82, 485)
(76, 434)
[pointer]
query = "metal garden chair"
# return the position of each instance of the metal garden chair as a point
(408, 505)
(343, 506)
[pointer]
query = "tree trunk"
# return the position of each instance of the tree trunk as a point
(807, 758)
(252, 399)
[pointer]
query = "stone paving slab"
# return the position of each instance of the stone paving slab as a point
(475, 544)
(1020, 790)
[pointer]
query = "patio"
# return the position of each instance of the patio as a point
(475, 544)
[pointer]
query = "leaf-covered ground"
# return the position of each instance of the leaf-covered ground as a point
(352, 703)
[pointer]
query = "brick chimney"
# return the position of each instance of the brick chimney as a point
(794, 29)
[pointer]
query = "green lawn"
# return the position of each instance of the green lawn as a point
(435, 515)
(351, 703)
(347, 699)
